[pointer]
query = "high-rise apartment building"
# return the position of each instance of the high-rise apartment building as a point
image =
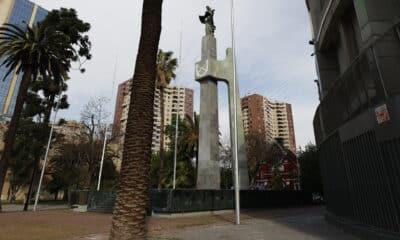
(357, 130)
(272, 119)
(22, 13)
(176, 100)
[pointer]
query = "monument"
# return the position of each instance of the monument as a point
(208, 72)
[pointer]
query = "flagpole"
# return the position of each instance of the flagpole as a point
(177, 113)
(235, 132)
(47, 150)
(106, 130)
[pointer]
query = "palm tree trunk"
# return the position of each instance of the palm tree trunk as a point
(129, 220)
(28, 195)
(12, 128)
(161, 154)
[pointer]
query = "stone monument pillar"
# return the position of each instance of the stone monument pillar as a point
(208, 72)
(208, 173)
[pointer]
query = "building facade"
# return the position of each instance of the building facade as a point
(176, 100)
(22, 13)
(357, 130)
(272, 119)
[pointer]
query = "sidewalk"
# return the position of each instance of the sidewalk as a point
(281, 224)
(272, 224)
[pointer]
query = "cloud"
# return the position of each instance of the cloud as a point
(272, 50)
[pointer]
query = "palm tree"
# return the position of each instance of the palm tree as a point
(190, 139)
(32, 52)
(129, 220)
(166, 66)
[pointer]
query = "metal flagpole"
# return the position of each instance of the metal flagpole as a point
(235, 133)
(105, 133)
(102, 158)
(177, 113)
(47, 151)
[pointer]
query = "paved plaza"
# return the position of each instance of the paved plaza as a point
(273, 224)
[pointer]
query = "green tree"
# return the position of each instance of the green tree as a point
(188, 138)
(310, 177)
(129, 220)
(166, 66)
(44, 50)
(226, 167)
(27, 149)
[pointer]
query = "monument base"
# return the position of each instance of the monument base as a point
(170, 201)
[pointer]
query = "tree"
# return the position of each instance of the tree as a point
(185, 172)
(39, 103)
(129, 220)
(45, 50)
(188, 138)
(226, 167)
(310, 177)
(94, 120)
(258, 152)
(166, 66)
(28, 147)
(41, 98)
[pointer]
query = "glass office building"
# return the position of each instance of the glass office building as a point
(23, 13)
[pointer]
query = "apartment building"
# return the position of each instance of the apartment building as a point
(272, 119)
(176, 101)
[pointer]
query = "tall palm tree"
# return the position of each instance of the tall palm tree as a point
(129, 220)
(166, 66)
(32, 52)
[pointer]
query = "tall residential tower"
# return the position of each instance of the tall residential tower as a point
(272, 119)
(176, 100)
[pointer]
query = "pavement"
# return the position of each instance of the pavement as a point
(271, 224)
(279, 224)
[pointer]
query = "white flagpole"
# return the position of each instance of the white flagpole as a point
(235, 135)
(105, 133)
(47, 151)
(177, 113)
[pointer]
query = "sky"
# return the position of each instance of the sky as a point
(273, 54)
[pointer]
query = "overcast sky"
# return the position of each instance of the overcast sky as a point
(272, 51)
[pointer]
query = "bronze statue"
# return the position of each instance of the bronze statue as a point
(208, 20)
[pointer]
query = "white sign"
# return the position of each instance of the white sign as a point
(382, 114)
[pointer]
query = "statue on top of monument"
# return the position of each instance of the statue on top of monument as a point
(208, 20)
